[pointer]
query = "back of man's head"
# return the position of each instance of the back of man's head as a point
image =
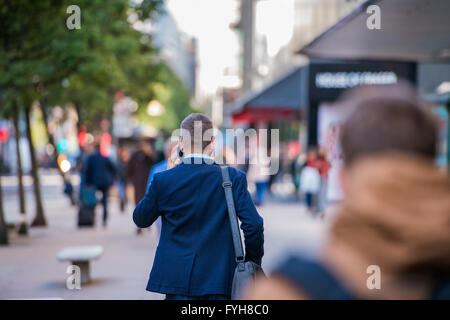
(384, 122)
(196, 132)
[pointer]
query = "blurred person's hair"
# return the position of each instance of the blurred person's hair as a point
(143, 144)
(354, 97)
(193, 122)
(312, 149)
(322, 153)
(123, 153)
(387, 119)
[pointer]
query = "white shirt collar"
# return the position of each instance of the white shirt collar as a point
(198, 155)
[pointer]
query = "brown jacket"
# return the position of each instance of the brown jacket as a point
(397, 216)
(138, 170)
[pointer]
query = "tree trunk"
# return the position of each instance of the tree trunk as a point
(51, 140)
(39, 220)
(3, 226)
(23, 229)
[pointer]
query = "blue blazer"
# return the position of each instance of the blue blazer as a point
(195, 255)
(100, 171)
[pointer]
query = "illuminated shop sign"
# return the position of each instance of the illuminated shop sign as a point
(328, 79)
(343, 80)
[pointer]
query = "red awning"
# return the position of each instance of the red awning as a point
(282, 100)
(265, 114)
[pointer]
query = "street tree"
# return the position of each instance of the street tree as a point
(38, 53)
(23, 228)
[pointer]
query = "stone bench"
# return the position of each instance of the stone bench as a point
(13, 229)
(81, 257)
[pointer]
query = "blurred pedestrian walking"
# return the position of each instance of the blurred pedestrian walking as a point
(122, 163)
(297, 162)
(258, 171)
(310, 180)
(100, 173)
(390, 239)
(81, 165)
(140, 164)
(195, 258)
(323, 165)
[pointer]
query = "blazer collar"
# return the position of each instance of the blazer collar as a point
(198, 158)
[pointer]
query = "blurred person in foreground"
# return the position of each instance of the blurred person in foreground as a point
(195, 256)
(100, 173)
(395, 215)
(160, 167)
(139, 165)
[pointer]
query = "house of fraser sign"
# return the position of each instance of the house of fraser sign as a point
(342, 80)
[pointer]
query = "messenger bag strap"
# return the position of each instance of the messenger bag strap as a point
(237, 241)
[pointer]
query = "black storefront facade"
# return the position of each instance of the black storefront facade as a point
(327, 80)
(298, 96)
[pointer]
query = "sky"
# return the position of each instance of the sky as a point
(218, 45)
(275, 20)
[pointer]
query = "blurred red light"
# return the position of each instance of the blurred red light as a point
(4, 135)
(82, 138)
(105, 144)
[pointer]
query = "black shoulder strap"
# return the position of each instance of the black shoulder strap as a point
(237, 241)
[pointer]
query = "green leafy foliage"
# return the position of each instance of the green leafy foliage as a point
(41, 58)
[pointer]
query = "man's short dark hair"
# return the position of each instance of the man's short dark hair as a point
(386, 123)
(203, 124)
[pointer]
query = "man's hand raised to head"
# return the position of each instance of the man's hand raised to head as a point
(173, 160)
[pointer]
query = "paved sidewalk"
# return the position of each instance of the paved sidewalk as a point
(29, 268)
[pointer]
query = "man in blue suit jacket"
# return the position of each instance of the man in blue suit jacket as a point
(195, 256)
(100, 172)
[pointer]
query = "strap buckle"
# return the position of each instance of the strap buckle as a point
(227, 184)
(240, 259)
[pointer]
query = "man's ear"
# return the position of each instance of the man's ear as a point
(181, 145)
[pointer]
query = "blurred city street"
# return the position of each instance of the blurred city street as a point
(333, 117)
(29, 268)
